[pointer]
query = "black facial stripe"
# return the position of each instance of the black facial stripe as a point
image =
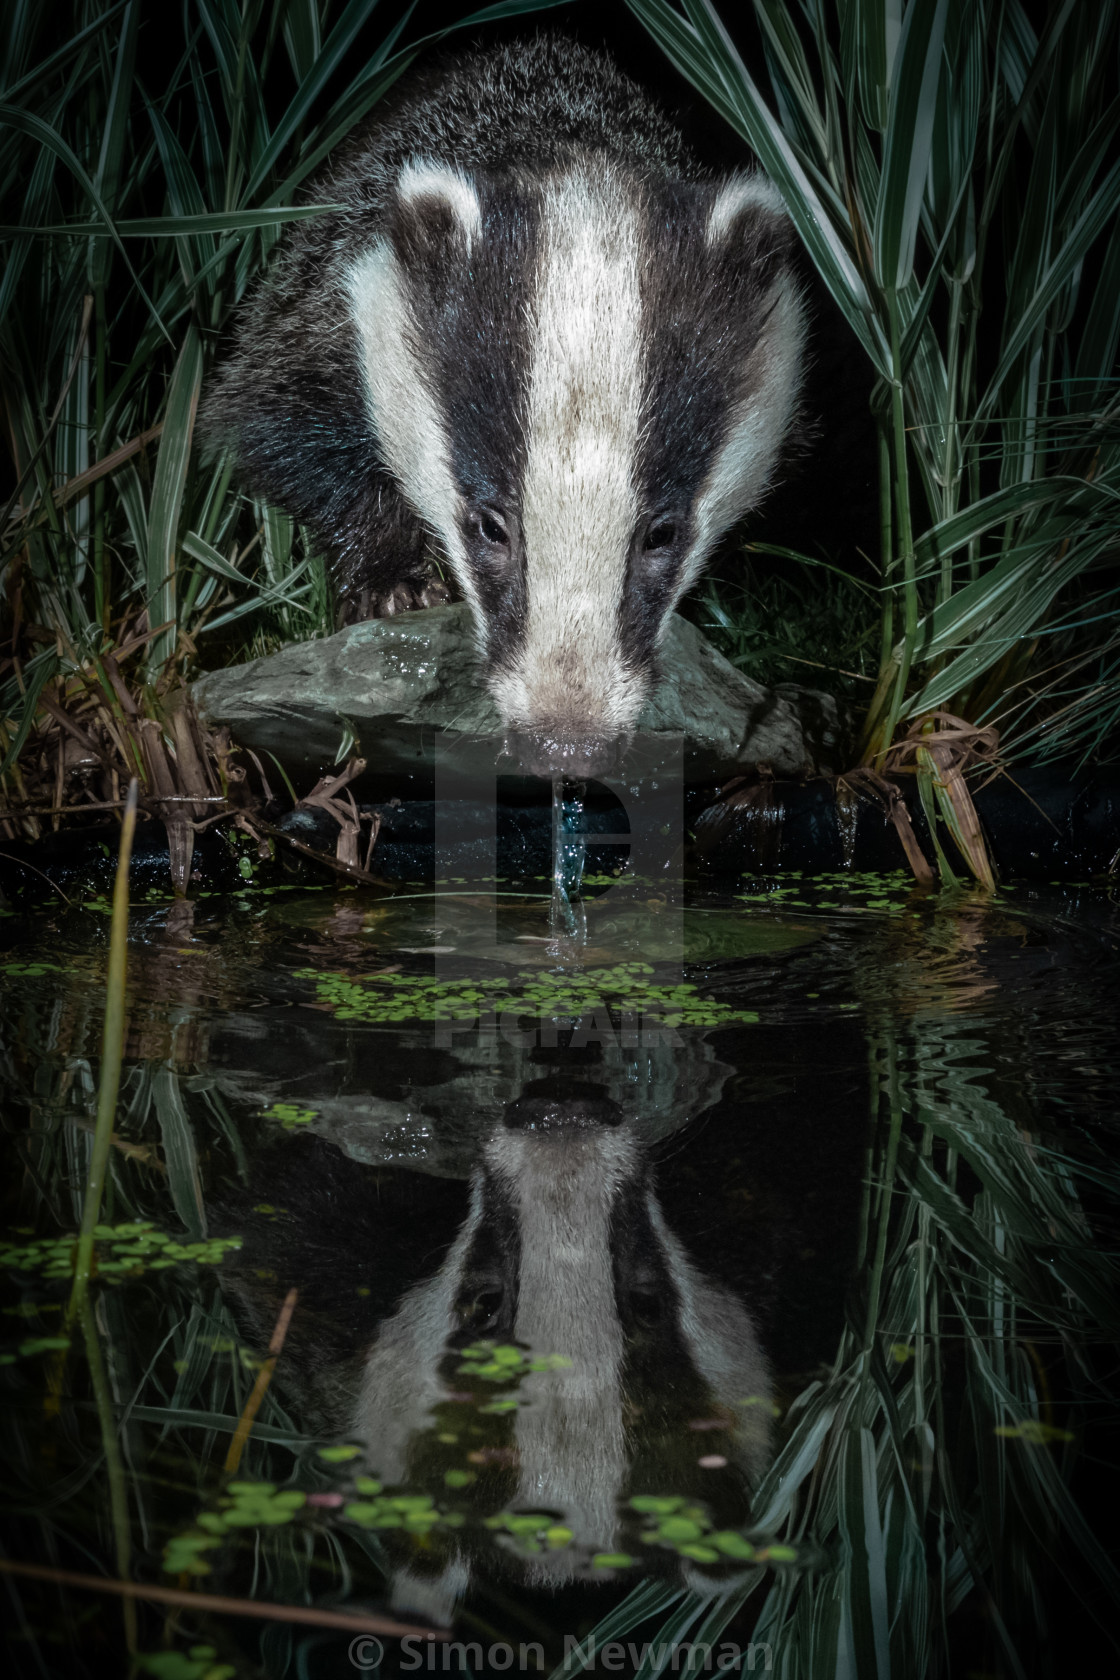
(703, 309)
(492, 1262)
(690, 336)
(470, 319)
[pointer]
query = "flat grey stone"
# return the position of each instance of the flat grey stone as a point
(398, 683)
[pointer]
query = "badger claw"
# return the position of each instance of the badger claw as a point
(409, 597)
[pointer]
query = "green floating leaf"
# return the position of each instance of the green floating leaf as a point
(43, 1344)
(1034, 1431)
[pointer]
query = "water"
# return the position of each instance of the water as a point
(566, 916)
(777, 1273)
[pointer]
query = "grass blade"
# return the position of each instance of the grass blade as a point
(112, 1048)
(167, 493)
(36, 129)
(175, 227)
(906, 149)
(1093, 220)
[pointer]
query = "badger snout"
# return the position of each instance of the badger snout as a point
(552, 750)
(562, 1106)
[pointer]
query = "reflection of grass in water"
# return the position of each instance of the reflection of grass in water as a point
(926, 1463)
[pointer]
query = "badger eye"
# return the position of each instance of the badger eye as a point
(483, 1311)
(661, 534)
(491, 528)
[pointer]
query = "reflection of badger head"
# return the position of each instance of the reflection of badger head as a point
(566, 1250)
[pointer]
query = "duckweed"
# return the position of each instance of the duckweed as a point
(391, 998)
(499, 1362)
(413, 1513)
(290, 1115)
(120, 1251)
(34, 1345)
(1034, 1431)
(852, 892)
(245, 1505)
(196, 1664)
(687, 1529)
(529, 1531)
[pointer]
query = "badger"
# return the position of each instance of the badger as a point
(537, 345)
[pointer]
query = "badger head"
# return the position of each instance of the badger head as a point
(578, 383)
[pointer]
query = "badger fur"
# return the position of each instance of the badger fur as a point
(538, 342)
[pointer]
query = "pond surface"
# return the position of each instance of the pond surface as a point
(742, 1278)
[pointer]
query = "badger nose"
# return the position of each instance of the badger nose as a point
(561, 751)
(547, 1111)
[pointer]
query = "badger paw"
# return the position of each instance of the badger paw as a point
(408, 597)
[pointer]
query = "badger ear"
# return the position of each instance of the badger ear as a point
(753, 196)
(437, 203)
(748, 222)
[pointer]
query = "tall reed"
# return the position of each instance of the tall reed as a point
(149, 177)
(954, 178)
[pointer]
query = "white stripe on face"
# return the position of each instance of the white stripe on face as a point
(579, 505)
(401, 1382)
(722, 1339)
(402, 409)
(570, 1436)
(741, 471)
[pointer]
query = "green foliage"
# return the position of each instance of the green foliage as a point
(141, 213)
(953, 176)
(121, 1251)
(501, 1362)
(389, 998)
(815, 629)
(34, 1345)
(955, 1438)
(290, 1115)
(687, 1529)
(195, 1664)
(854, 892)
(245, 1505)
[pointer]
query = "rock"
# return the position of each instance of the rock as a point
(397, 682)
(263, 1057)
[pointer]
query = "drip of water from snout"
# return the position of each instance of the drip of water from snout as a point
(566, 914)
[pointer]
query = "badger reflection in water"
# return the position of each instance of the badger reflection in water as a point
(565, 1250)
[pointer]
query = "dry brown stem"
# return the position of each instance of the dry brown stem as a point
(360, 1621)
